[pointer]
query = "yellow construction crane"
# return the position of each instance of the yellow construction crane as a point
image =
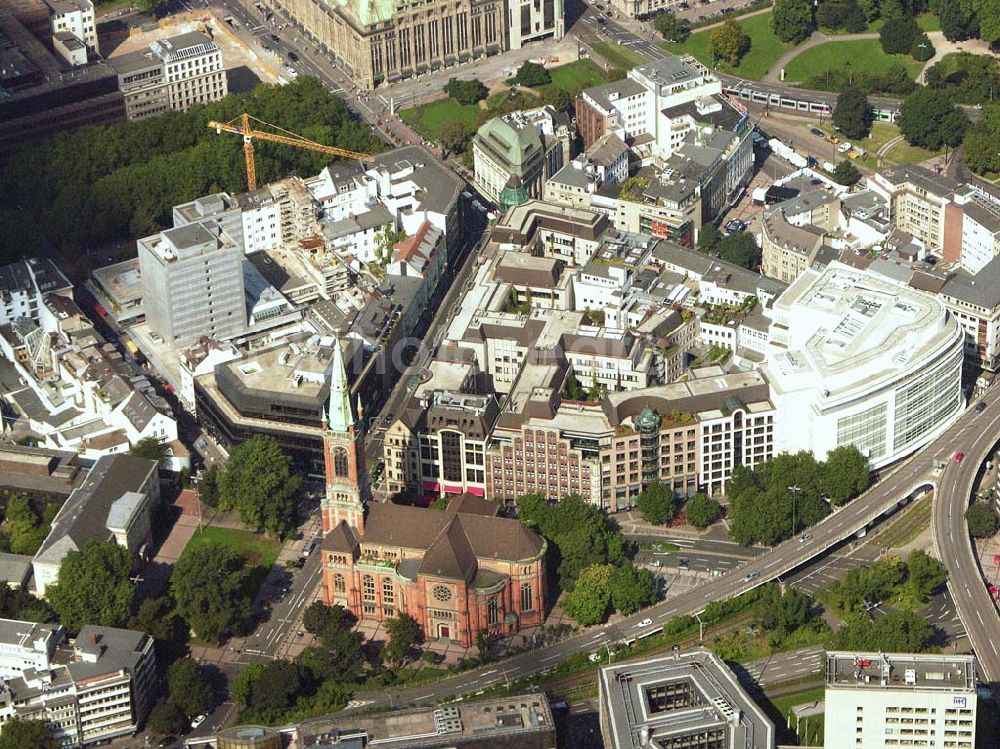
(242, 125)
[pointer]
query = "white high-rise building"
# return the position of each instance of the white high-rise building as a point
(893, 700)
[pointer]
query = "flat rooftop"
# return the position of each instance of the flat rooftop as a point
(945, 673)
(518, 718)
(675, 696)
(122, 282)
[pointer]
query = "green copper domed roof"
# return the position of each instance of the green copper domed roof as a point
(647, 420)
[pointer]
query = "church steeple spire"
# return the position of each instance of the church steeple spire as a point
(341, 416)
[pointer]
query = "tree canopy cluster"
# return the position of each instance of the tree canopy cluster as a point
(928, 118)
(896, 632)
(672, 28)
(258, 482)
(841, 15)
(885, 579)
(126, 177)
(189, 693)
(24, 528)
(982, 520)
(894, 80)
(792, 20)
(845, 173)
(209, 584)
(532, 75)
(765, 501)
(93, 587)
(729, 43)
(657, 503)
(589, 558)
(853, 114)
(739, 247)
(466, 92)
(18, 733)
(967, 78)
(701, 511)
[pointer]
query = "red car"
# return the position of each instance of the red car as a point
(958, 456)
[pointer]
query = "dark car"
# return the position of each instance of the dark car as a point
(980, 407)
(817, 132)
(292, 56)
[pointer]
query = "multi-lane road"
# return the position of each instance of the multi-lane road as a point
(951, 538)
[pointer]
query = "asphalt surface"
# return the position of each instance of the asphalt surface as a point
(896, 485)
(976, 608)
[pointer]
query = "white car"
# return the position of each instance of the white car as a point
(197, 721)
(645, 622)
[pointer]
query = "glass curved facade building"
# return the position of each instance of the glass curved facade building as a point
(859, 359)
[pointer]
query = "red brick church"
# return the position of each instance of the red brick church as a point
(455, 572)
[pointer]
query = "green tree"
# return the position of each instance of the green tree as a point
(167, 718)
(441, 503)
(318, 617)
(729, 43)
(466, 92)
(320, 664)
(258, 482)
(871, 8)
(657, 503)
(346, 649)
(987, 12)
(845, 173)
(928, 118)
(588, 602)
(853, 114)
(701, 511)
(709, 237)
(956, 23)
(792, 20)
(740, 248)
(19, 733)
(93, 587)
(897, 36)
(208, 486)
(149, 448)
(241, 687)
(558, 98)
(632, 588)
(404, 635)
(277, 687)
(672, 28)
(532, 75)
(845, 474)
(979, 148)
(927, 575)
(922, 49)
(793, 611)
(188, 687)
(24, 526)
(454, 136)
(983, 521)
(896, 632)
(157, 618)
(209, 584)
(841, 14)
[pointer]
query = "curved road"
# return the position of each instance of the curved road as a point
(951, 539)
(896, 484)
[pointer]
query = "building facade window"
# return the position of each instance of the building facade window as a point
(492, 612)
(368, 588)
(339, 585)
(340, 466)
(527, 599)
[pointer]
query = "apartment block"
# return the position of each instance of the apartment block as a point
(172, 74)
(889, 700)
(75, 17)
(90, 690)
(192, 281)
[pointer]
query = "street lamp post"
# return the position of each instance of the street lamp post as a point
(795, 491)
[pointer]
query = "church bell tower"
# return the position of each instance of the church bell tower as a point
(344, 455)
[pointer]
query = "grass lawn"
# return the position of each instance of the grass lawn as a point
(258, 551)
(904, 153)
(779, 708)
(765, 48)
(928, 22)
(577, 76)
(618, 56)
(862, 54)
(430, 118)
